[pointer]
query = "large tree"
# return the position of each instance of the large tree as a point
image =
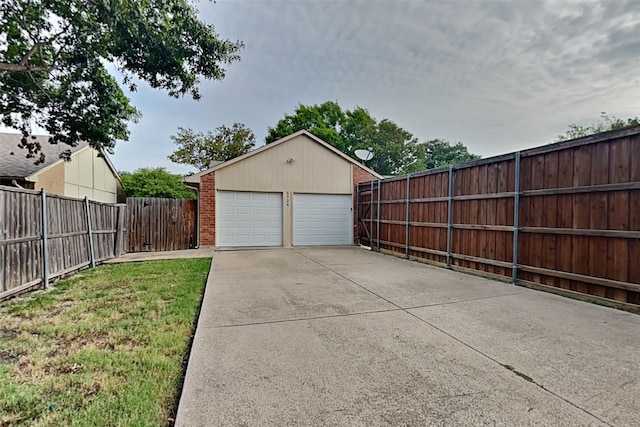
(147, 182)
(606, 123)
(201, 149)
(55, 57)
(396, 150)
(439, 152)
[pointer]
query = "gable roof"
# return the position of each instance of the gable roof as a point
(15, 164)
(195, 178)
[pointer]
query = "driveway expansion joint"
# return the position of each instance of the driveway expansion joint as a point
(301, 319)
(459, 340)
(460, 301)
(510, 368)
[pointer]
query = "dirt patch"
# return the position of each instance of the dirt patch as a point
(92, 389)
(8, 334)
(9, 358)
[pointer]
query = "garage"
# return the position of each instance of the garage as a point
(297, 191)
(249, 219)
(322, 219)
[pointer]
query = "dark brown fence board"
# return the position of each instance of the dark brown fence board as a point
(578, 216)
(157, 224)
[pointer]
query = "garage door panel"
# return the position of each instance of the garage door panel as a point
(321, 219)
(249, 219)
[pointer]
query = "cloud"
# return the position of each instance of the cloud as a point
(497, 75)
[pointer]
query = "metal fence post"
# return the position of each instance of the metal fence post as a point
(92, 254)
(449, 215)
(406, 231)
(378, 222)
(516, 218)
(356, 228)
(45, 244)
(117, 238)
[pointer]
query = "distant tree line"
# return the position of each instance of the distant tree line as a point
(395, 150)
(606, 123)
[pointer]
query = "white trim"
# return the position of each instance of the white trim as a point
(34, 176)
(191, 178)
(111, 166)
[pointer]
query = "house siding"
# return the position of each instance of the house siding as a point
(314, 170)
(52, 180)
(89, 175)
(299, 165)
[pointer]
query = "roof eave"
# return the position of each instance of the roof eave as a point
(283, 140)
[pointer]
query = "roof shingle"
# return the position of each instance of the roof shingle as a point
(13, 161)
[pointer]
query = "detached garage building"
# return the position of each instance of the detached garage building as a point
(297, 191)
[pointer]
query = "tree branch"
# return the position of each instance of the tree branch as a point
(21, 68)
(29, 54)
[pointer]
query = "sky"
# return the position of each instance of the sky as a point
(499, 76)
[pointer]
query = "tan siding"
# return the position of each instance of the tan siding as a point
(315, 170)
(52, 180)
(88, 175)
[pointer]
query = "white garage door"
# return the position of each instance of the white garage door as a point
(322, 219)
(248, 219)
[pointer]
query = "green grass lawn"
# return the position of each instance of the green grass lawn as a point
(104, 348)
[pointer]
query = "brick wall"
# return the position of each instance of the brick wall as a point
(207, 209)
(359, 175)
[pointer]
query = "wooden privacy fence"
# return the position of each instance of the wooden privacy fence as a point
(562, 216)
(45, 236)
(157, 224)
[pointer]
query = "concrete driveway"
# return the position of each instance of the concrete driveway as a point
(344, 336)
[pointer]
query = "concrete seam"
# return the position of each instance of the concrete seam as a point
(460, 301)
(352, 281)
(503, 365)
(300, 319)
(460, 341)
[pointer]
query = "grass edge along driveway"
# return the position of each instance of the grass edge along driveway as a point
(104, 347)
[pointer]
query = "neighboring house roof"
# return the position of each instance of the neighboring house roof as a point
(15, 164)
(195, 178)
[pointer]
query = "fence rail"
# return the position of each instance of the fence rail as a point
(157, 224)
(563, 216)
(44, 236)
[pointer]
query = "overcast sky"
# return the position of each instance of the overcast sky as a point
(497, 75)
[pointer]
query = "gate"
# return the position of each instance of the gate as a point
(161, 224)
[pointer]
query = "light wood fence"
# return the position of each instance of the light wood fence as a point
(562, 217)
(44, 236)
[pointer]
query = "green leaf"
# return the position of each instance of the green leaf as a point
(64, 46)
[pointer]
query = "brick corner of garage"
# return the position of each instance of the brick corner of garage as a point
(207, 209)
(362, 175)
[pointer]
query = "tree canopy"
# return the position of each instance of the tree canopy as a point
(439, 152)
(158, 182)
(396, 151)
(55, 54)
(606, 123)
(200, 150)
